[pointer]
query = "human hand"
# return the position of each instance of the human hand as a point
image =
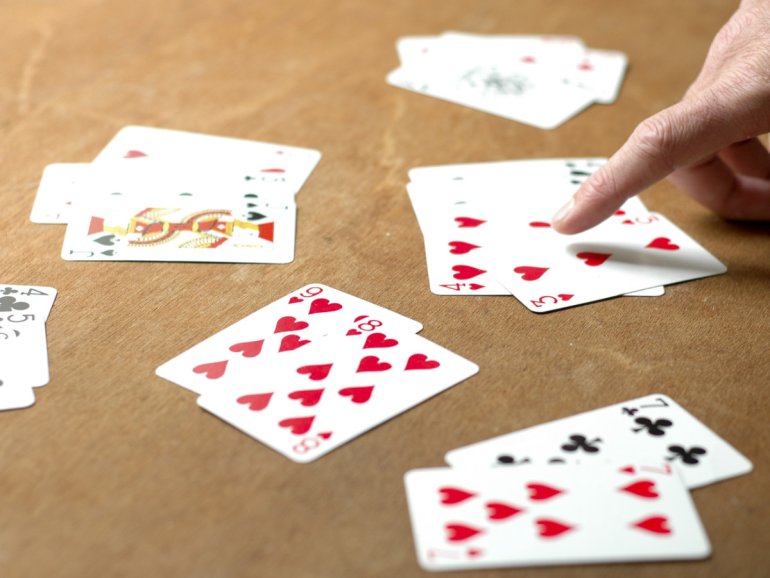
(706, 144)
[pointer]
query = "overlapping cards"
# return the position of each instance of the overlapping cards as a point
(24, 310)
(487, 231)
(156, 194)
(608, 485)
(314, 370)
(538, 80)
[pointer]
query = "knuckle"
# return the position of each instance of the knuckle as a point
(656, 139)
(600, 188)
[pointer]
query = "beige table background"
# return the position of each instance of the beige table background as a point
(115, 472)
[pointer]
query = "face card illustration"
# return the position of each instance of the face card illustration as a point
(276, 332)
(652, 429)
(469, 518)
(186, 231)
(336, 390)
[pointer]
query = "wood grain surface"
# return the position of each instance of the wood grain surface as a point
(116, 472)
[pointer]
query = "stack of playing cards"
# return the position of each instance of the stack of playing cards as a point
(315, 369)
(537, 80)
(23, 348)
(156, 194)
(487, 231)
(609, 485)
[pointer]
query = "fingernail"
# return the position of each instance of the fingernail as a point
(564, 212)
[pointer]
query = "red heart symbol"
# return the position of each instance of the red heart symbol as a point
(248, 348)
(468, 222)
(323, 305)
(585, 66)
(315, 372)
(307, 397)
(542, 491)
(461, 247)
(272, 171)
(212, 370)
(357, 394)
(292, 342)
(372, 363)
(297, 425)
(353, 332)
(460, 532)
(255, 401)
(295, 300)
(642, 488)
(530, 273)
(474, 552)
(565, 296)
(620, 212)
(528, 59)
(628, 470)
(539, 224)
(325, 435)
(134, 155)
(378, 340)
(551, 528)
(654, 524)
(466, 272)
(475, 286)
(627, 222)
(420, 361)
(593, 259)
(450, 495)
(662, 243)
(501, 511)
(289, 323)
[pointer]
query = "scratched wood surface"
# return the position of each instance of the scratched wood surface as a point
(116, 472)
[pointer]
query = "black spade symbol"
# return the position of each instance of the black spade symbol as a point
(108, 240)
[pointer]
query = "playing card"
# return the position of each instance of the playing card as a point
(650, 429)
(24, 310)
(459, 208)
(24, 358)
(57, 189)
(281, 167)
(460, 236)
(547, 271)
(21, 304)
(506, 89)
(337, 389)
(547, 515)
(180, 230)
(277, 331)
(14, 395)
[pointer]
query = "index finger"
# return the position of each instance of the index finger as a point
(681, 135)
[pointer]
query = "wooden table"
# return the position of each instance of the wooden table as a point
(116, 472)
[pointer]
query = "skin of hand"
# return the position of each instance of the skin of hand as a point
(706, 144)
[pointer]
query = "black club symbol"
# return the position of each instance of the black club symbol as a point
(654, 428)
(581, 443)
(11, 304)
(8, 291)
(688, 456)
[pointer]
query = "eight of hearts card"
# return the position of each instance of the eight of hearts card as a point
(465, 518)
(277, 333)
(335, 389)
